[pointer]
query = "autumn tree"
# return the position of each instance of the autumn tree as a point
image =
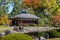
(45, 9)
(31, 3)
(3, 15)
(56, 20)
(3, 12)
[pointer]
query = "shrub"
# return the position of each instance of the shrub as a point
(54, 33)
(0, 37)
(58, 30)
(41, 34)
(26, 25)
(17, 36)
(35, 25)
(44, 34)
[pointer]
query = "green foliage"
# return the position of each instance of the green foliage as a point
(54, 33)
(44, 22)
(0, 38)
(47, 6)
(31, 12)
(35, 25)
(3, 15)
(41, 34)
(26, 25)
(58, 30)
(17, 7)
(17, 36)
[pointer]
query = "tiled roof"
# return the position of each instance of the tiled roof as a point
(26, 16)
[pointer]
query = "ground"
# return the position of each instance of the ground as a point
(54, 39)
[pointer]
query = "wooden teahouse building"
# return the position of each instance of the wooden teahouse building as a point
(24, 18)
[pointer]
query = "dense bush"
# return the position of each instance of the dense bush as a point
(0, 37)
(58, 30)
(51, 34)
(17, 36)
(41, 34)
(54, 33)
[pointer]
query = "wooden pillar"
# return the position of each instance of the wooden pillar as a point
(20, 22)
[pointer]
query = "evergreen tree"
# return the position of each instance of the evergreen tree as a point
(17, 7)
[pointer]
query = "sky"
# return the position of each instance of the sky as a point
(10, 7)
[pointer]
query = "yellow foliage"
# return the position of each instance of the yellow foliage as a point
(58, 11)
(4, 20)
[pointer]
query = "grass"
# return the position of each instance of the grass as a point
(54, 39)
(3, 28)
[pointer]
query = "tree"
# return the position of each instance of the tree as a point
(3, 15)
(45, 9)
(3, 12)
(42, 8)
(31, 3)
(56, 20)
(17, 7)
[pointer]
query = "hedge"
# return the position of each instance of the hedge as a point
(54, 34)
(17, 36)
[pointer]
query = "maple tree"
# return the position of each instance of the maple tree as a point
(56, 20)
(4, 20)
(31, 3)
